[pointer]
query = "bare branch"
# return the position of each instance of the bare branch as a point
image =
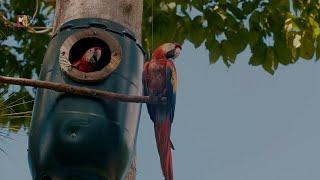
(59, 87)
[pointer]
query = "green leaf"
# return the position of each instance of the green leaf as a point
(248, 7)
(297, 5)
(254, 38)
(222, 1)
(255, 20)
(270, 63)
(258, 54)
(215, 21)
(231, 22)
(236, 12)
(307, 47)
(318, 49)
(292, 42)
(197, 34)
(256, 59)
(315, 27)
(290, 24)
(282, 52)
(259, 48)
(284, 4)
(238, 40)
(228, 50)
(214, 50)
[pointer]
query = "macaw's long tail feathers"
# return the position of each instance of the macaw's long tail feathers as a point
(164, 144)
(170, 168)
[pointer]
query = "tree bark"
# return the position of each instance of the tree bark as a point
(125, 12)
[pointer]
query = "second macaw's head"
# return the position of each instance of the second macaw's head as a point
(167, 51)
(92, 55)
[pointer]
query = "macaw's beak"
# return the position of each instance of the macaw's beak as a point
(174, 53)
(178, 46)
(96, 55)
(178, 49)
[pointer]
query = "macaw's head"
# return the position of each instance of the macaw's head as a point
(92, 55)
(167, 51)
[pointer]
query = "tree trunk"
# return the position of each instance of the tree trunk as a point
(125, 12)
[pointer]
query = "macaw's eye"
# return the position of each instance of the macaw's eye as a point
(170, 54)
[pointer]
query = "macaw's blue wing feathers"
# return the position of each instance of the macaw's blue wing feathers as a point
(146, 90)
(171, 86)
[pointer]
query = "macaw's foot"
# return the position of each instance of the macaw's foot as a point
(156, 99)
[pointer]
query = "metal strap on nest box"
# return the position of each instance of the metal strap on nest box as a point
(126, 33)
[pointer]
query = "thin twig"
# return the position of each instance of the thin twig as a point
(59, 87)
(14, 102)
(16, 117)
(14, 105)
(13, 114)
(28, 28)
(36, 11)
(4, 152)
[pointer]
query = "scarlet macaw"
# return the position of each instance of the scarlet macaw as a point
(160, 80)
(88, 61)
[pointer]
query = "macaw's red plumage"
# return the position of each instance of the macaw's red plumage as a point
(89, 60)
(160, 80)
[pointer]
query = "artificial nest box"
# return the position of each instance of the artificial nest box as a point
(79, 137)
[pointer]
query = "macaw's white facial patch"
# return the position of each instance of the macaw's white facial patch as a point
(177, 52)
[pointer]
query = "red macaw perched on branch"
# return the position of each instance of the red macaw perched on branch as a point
(89, 59)
(160, 80)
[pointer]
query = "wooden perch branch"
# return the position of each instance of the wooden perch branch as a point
(59, 87)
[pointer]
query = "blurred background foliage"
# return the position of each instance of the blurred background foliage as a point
(15, 110)
(275, 31)
(21, 55)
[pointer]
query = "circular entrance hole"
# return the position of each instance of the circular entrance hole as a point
(76, 45)
(82, 45)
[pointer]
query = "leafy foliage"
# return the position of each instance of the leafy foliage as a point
(15, 112)
(21, 56)
(276, 32)
(22, 52)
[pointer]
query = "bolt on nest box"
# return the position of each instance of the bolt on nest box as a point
(84, 137)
